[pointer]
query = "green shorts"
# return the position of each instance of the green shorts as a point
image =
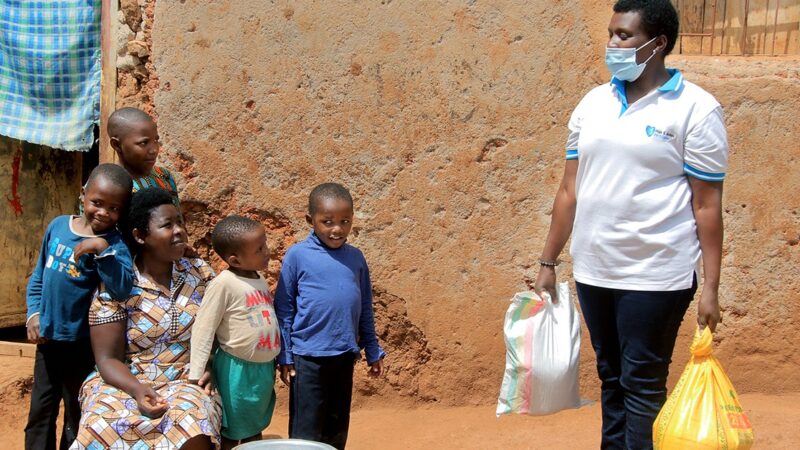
(247, 390)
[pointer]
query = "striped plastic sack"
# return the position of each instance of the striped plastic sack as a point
(703, 411)
(543, 341)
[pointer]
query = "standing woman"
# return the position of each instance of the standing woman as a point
(641, 196)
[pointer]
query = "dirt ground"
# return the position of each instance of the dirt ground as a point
(377, 426)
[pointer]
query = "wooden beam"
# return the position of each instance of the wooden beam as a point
(108, 83)
(21, 349)
(743, 35)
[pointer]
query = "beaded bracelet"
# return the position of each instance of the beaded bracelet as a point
(546, 263)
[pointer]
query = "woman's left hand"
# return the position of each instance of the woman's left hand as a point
(206, 382)
(708, 313)
(707, 208)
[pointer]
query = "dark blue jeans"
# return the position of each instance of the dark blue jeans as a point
(633, 334)
(319, 398)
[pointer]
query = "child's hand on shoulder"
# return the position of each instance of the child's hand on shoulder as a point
(95, 246)
(376, 368)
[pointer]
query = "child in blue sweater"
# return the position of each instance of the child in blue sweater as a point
(78, 252)
(324, 306)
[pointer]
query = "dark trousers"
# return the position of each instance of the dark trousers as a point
(59, 371)
(319, 398)
(633, 334)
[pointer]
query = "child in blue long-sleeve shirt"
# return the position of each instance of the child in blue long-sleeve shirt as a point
(78, 252)
(324, 306)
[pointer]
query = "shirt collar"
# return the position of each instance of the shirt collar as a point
(675, 83)
(315, 239)
(72, 229)
(179, 270)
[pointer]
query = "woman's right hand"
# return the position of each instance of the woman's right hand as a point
(546, 282)
(108, 343)
(149, 402)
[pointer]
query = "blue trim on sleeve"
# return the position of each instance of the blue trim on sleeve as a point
(705, 176)
(572, 153)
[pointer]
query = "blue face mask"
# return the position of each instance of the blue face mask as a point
(621, 62)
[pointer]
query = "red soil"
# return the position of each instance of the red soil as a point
(387, 426)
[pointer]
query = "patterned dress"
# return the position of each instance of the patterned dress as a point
(158, 332)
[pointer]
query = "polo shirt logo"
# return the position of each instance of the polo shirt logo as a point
(661, 135)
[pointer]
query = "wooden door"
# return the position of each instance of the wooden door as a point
(38, 184)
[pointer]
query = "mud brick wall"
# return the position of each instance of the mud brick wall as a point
(447, 120)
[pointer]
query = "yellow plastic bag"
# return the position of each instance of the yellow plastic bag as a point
(702, 412)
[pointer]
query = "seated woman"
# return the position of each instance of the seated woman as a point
(140, 395)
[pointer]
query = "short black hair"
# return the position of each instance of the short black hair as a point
(227, 235)
(143, 202)
(327, 191)
(120, 120)
(117, 175)
(658, 17)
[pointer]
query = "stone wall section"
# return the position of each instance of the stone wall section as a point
(136, 76)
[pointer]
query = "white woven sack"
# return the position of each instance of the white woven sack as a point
(543, 341)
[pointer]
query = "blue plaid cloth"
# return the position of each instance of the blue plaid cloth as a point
(50, 71)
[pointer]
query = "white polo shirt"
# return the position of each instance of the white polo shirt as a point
(634, 225)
